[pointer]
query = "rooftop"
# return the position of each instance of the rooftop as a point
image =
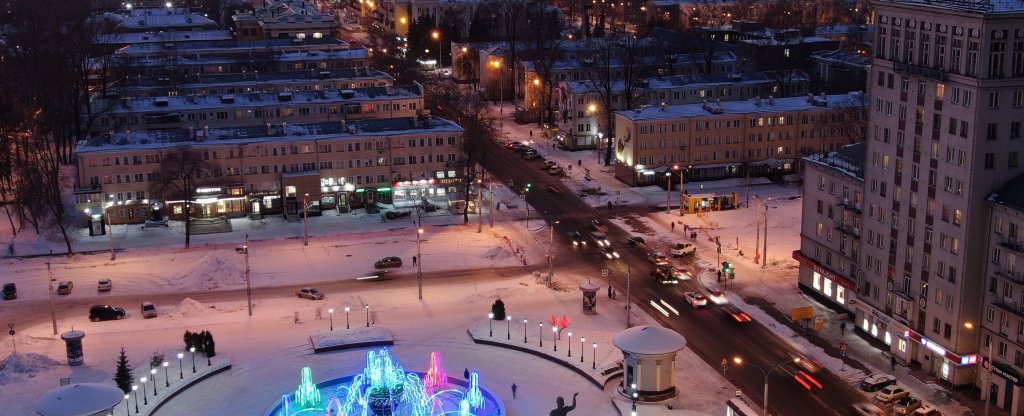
(239, 45)
(979, 6)
(691, 81)
(163, 18)
(848, 159)
(161, 37)
(162, 139)
(754, 106)
(246, 78)
(1011, 194)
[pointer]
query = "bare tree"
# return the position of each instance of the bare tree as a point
(182, 170)
(849, 119)
(512, 12)
(621, 66)
(545, 51)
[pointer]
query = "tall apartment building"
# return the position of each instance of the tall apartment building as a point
(727, 139)
(947, 92)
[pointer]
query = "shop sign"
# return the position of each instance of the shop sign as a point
(257, 194)
(449, 181)
(1006, 373)
(210, 190)
(840, 280)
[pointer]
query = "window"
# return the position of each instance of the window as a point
(990, 161)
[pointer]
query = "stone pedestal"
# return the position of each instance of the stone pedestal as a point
(589, 290)
(73, 343)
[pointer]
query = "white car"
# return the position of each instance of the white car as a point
(310, 293)
(105, 285)
(696, 299)
(600, 239)
(148, 310)
(867, 409)
(716, 296)
(891, 393)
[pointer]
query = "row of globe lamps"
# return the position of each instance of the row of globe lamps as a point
(330, 313)
(167, 380)
(540, 325)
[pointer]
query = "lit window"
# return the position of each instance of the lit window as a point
(817, 281)
(841, 294)
(901, 345)
(864, 324)
(828, 288)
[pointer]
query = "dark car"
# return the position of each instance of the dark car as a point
(664, 275)
(737, 314)
(597, 225)
(577, 239)
(10, 291)
(635, 241)
(386, 262)
(105, 313)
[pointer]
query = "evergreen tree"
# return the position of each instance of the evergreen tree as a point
(209, 347)
(498, 309)
(123, 374)
(188, 340)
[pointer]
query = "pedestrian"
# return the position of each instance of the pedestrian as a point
(673, 226)
(613, 293)
(892, 362)
(842, 328)
(579, 162)
(413, 260)
(531, 133)
(466, 374)
(609, 292)
(609, 205)
(514, 388)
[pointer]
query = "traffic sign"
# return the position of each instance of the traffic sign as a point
(805, 312)
(604, 272)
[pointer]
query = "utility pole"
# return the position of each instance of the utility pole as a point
(49, 277)
(305, 221)
(248, 285)
(764, 251)
(479, 205)
(110, 233)
(419, 259)
(628, 278)
(682, 191)
(490, 191)
(551, 255)
(757, 228)
(985, 391)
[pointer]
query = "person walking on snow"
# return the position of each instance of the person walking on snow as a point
(413, 260)
(514, 388)
(466, 374)
(673, 226)
(842, 328)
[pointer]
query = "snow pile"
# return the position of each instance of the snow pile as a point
(350, 336)
(188, 308)
(213, 272)
(18, 366)
(496, 253)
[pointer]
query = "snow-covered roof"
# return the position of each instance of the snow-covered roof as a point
(740, 107)
(248, 100)
(649, 340)
(678, 81)
(848, 160)
(842, 57)
(237, 46)
(1010, 194)
(164, 18)
(360, 129)
(842, 29)
(83, 399)
(275, 78)
(161, 37)
(984, 6)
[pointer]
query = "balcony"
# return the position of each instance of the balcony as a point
(1015, 276)
(1012, 245)
(846, 203)
(848, 229)
(935, 74)
(1006, 304)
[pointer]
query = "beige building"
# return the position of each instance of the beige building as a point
(829, 253)
(268, 169)
(947, 102)
(727, 139)
(285, 19)
(336, 79)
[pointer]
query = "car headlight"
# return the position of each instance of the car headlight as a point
(615, 254)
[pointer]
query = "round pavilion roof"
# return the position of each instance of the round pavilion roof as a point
(649, 340)
(84, 399)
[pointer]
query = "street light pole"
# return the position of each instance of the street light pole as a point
(53, 310)
(554, 337)
(570, 343)
(766, 374)
(988, 381)
(167, 379)
(152, 372)
(490, 198)
(110, 232)
(582, 340)
(540, 333)
(145, 397)
(305, 221)
(628, 279)
(248, 282)
(682, 190)
(346, 318)
(193, 351)
(668, 192)
(367, 307)
(551, 255)
(181, 373)
(490, 323)
(135, 391)
(330, 312)
(419, 258)
(508, 327)
(479, 205)
(524, 330)
(595, 357)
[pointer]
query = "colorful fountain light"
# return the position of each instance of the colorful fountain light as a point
(308, 395)
(436, 378)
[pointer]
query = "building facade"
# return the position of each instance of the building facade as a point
(729, 139)
(947, 92)
(829, 253)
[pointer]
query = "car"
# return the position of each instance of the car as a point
(548, 164)
(523, 148)
(148, 310)
(889, 393)
(634, 241)
(577, 239)
(309, 293)
(737, 314)
(512, 145)
(906, 405)
(927, 410)
(555, 189)
(600, 239)
(10, 291)
(716, 296)
(681, 274)
(104, 285)
(658, 258)
(555, 171)
(597, 225)
(695, 299)
(530, 155)
(683, 249)
(866, 409)
(664, 275)
(609, 252)
(64, 287)
(876, 382)
(390, 261)
(105, 313)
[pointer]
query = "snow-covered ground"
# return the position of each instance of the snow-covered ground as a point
(268, 350)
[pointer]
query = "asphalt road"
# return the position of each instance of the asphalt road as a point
(709, 331)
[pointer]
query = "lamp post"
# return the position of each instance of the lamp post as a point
(508, 327)
(135, 391)
(570, 343)
(668, 192)
(524, 331)
(540, 333)
(248, 286)
(739, 360)
(127, 409)
(110, 232)
(181, 373)
(305, 220)
(330, 312)
(152, 372)
(419, 258)
(634, 396)
(490, 322)
(600, 139)
(367, 307)
(501, 80)
(437, 36)
(145, 398)
(551, 255)
(595, 356)
(49, 276)
(193, 351)
(554, 337)
(346, 318)
(582, 340)
(167, 379)
(682, 189)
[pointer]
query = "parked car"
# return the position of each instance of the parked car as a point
(309, 293)
(148, 310)
(390, 261)
(104, 285)
(634, 241)
(889, 393)
(600, 239)
(737, 314)
(548, 164)
(927, 410)
(716, 296)
(657, 257)
(876, 382)
(394, 215)
(664, 275)
(555, 171)
(597, 225)
(866, 409)
(696, 299)
(530, 154)
(105, 313)
(64, 288)
(10, 291)
(683, 249)
(609, 252)
(906, 405)
(577, 239)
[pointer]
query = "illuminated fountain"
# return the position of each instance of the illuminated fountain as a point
(383, 388)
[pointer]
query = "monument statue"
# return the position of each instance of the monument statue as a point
(562, 409)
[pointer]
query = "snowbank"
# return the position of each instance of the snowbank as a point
(20, 366)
